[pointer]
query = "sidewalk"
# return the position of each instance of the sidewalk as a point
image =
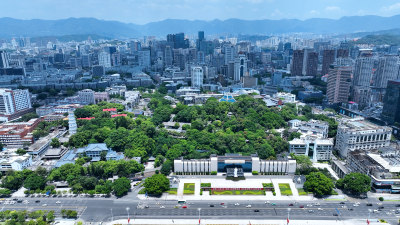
(242, 222)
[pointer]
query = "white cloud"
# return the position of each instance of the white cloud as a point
(314, 12)
(389, 8)
(332, 8)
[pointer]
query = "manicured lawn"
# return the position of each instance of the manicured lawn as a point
(238, 192)
(285, 189)
(188, 188)
(269, 185)
(205, 185)
(172, 191)
(302, 191)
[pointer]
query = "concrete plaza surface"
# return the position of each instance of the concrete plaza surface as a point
(245, 222)
(221, 182)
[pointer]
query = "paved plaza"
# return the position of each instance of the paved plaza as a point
(221, 182)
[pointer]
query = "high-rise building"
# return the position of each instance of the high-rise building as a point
(230, 52)
(105, 59)
(277, 78)
(287, 46)
(168, 56)
(13, 101)
(328, 58)
(197, 76)
(178, 40)
(201, 35)
(363, 71)
(4, 60)
(240, 67)
(86, 61)
(339, 78)
(388, 69)
(391, 102)
(297, 63)
(22, 99)
(342, 53)
(144, 58)
(312, 64)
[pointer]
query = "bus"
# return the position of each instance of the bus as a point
(181, 201)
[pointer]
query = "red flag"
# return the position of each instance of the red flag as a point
(199, 221)
(287, 219)
(129, 219)
(367, 221)
(249, 223)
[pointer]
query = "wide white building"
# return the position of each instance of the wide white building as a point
(358, 134)
(228, 162)
(87, 96)
(14, 162)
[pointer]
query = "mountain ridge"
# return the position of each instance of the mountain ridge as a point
(10, 27)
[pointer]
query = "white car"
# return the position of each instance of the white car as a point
(309, 205)
(356, 205)
(162, 207)
(267, 202)
(44, 205)
(237, 204)
(58, 202)
(320, 209)
(248, 206)
(317, 204)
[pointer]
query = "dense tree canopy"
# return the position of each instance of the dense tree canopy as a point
(319, 184)
(355, 183)
(156, 184)
(121, 186)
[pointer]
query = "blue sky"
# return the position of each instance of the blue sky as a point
(144, 11)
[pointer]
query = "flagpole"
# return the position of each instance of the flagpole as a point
(199, 215)
(288, 213)
(127, 210)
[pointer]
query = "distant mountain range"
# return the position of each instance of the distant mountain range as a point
(10, 27)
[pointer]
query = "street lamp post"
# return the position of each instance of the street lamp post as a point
(112, 216)
(127, 210)
(199, 215)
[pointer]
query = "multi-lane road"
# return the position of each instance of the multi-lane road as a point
(100, 209)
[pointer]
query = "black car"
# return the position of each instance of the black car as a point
(398, 205)
(211, 205)
(369, 204)
(256, 210)
(335, 214)
(37, 201)
(350, 209)
(342, 203)
(381, 207)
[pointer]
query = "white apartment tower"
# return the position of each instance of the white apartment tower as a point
(240, 67)
(105, 59)
(12, 101)
(229, 51)
(197, 77)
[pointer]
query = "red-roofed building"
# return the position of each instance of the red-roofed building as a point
(117, 115)
(86, 118)
(110, 110)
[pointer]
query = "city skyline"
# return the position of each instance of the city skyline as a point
(142, 12)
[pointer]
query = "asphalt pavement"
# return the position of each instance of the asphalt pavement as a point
(104, 210)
